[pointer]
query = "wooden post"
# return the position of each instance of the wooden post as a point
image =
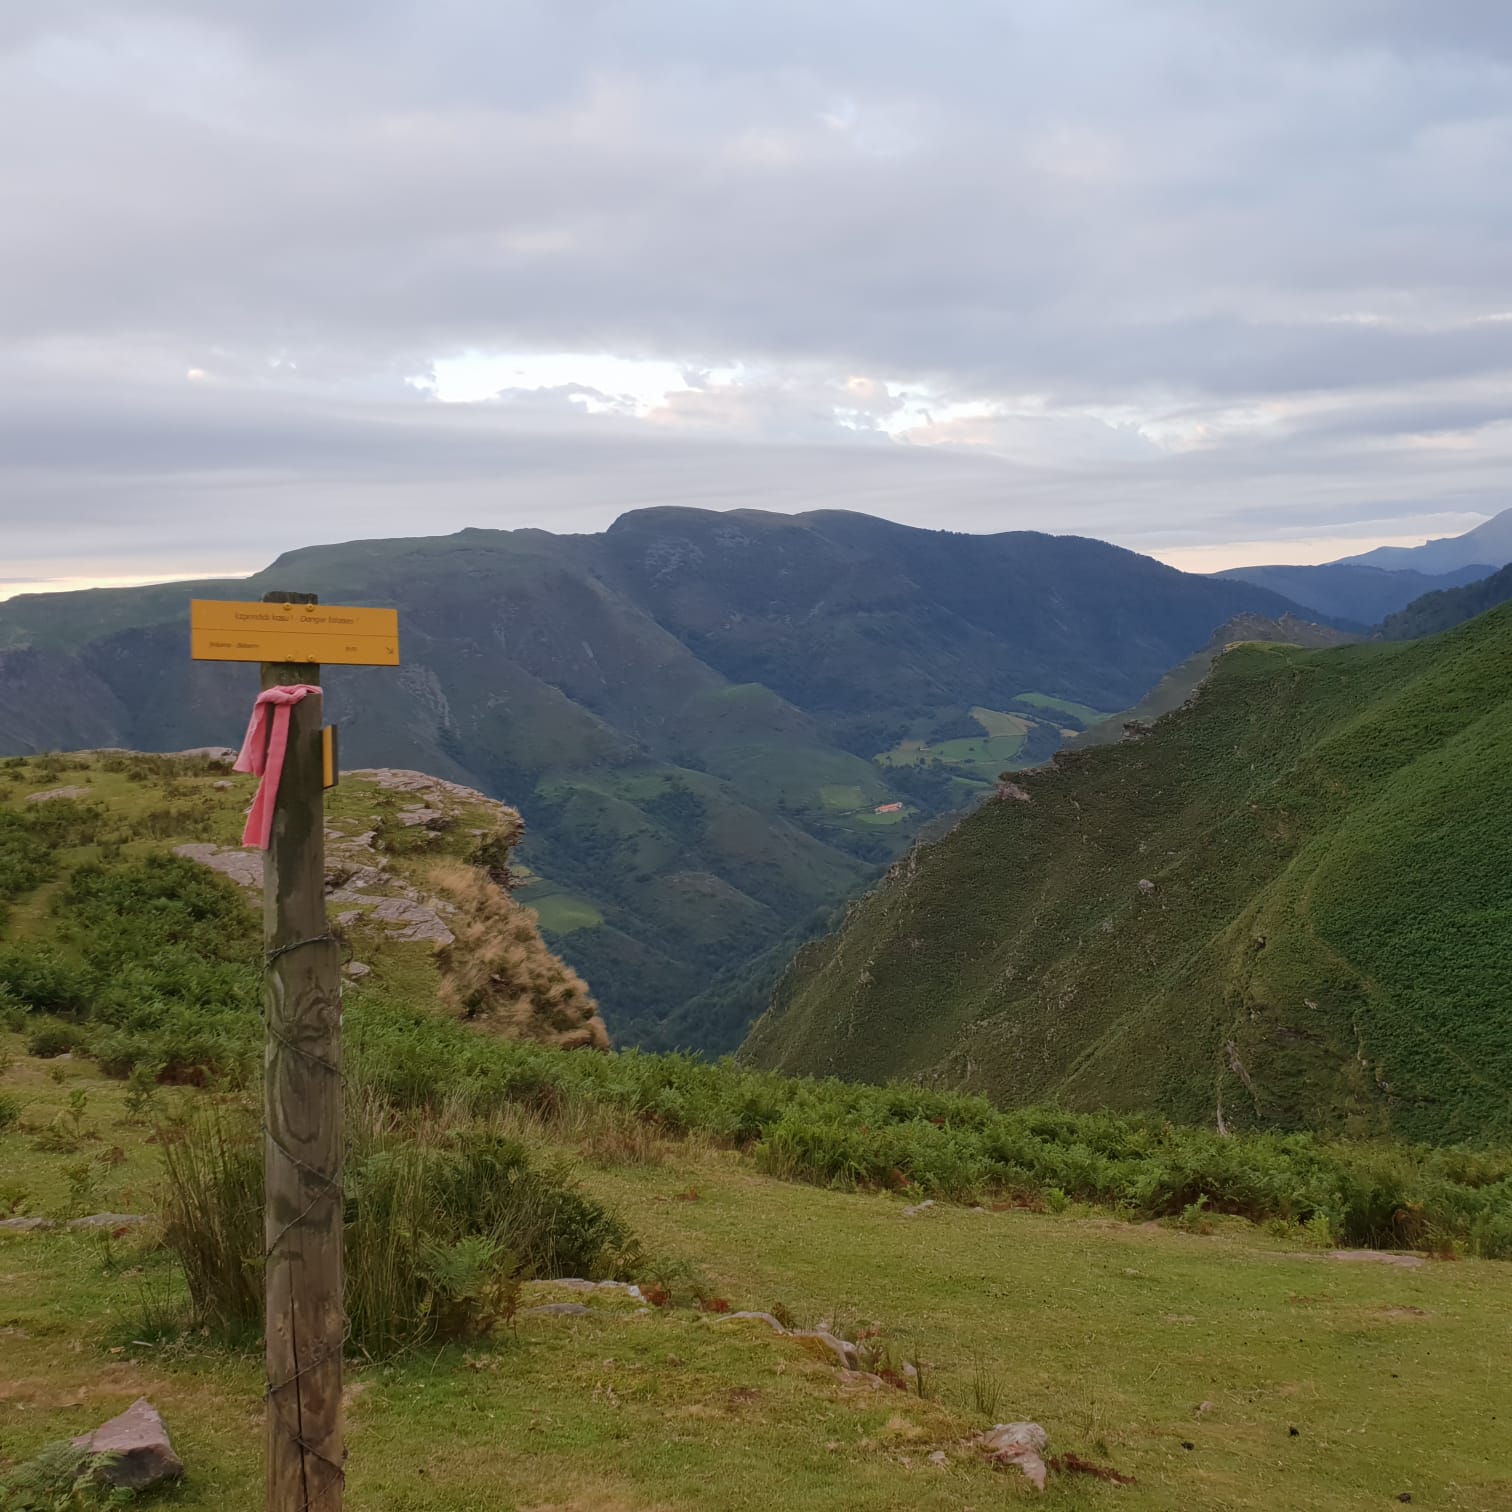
(302, 1134)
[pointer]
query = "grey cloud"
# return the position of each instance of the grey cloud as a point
(1169, 208)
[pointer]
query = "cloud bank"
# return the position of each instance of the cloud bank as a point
(1177, 274)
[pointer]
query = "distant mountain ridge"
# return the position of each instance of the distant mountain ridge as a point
(1488, 544)
(1361, 595)
(1365, 589)
(706, 718)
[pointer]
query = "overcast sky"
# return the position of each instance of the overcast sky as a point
(1223, 280)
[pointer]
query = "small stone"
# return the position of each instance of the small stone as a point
(938, 1458)
(140, 1453)
(1203, 1408)
(357, 970)
(222, 786)
(1145, 885)
(919, 1207)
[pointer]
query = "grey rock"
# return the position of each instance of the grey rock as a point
(414, 921)
(62, 792)
(140, 1453)
(409, 818)
(221, 786)
(244, 867)
(1145, 885)
(25, 1225)
(357, 970)
(919, 1207)
(1021, 1444)
(109, 1221)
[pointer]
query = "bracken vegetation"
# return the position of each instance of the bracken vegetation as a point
(940, 1143)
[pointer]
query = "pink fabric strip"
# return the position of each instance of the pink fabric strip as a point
(262, 754)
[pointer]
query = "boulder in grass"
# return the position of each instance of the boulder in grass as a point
(133, 1449)
(1021, 1444)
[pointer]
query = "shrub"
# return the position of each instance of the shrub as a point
(443, 1218)
(50, 1039)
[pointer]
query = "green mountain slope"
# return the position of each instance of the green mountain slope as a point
(1287, 904)
(688, 709)
(1180, 683)
(1446, 608)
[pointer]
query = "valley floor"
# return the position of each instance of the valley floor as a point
(1331, 1384)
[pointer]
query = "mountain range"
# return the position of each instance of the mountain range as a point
(717, 725)
(1365, 589)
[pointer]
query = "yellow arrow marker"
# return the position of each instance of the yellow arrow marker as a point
(221, 630)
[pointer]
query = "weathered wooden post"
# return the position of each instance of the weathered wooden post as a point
(305, 1321)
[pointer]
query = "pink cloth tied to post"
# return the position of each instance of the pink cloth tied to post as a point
(262, 754)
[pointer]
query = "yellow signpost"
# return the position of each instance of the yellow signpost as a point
(221, 630)
(293, 635)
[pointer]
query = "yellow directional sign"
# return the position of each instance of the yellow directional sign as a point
(220, 630)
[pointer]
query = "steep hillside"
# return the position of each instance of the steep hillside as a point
(716, 726)
(1286, 905)
(1346, 591)
(1180, 683)
(1436, 612)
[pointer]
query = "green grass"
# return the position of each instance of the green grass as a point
(845, 797)
(561, 913)
(1078, 711)
(1320, 944)
(1108, 1334)
(883, 821)
(981, 758)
